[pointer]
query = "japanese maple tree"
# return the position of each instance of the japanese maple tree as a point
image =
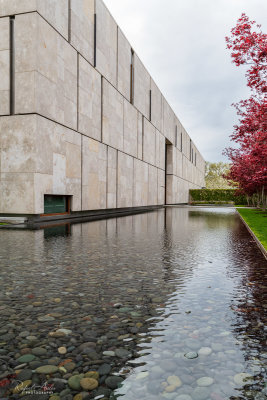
(249, 161)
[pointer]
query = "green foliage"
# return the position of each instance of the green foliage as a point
(214, 175)
(211, 196)
(257, 221)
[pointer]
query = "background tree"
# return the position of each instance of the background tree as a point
(214, 175)
(249, 161)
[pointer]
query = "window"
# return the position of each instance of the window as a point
(55, 204)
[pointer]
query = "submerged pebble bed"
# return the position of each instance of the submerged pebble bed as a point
(163, 305)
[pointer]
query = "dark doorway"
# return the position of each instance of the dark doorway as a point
(55, 204)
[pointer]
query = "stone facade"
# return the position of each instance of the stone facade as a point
(80, 115)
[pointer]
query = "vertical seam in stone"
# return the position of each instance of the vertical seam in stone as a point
(107, 180)
(95, 39)
(81, 172)
(78, 83)
(150, 104)
(11, 66)
(142, 138)
(69, 21)
(117, 66)
(101, 111)
(117, 176)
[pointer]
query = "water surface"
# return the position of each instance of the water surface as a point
(136, 294)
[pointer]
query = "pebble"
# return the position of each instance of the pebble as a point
(109, 353)
(47, 369)
(204, 351)
(92, 374)
(88, 383)
(20, 386)
(104, 369)
(191, 355)
(26, 358)
(142, 375)
(39, 351)
(174, 381)
(205, 381)
(243, 379)
(45, 318)
(122, 353)
(183, 397)
(200, 393)
(74, 381)
(113, 381)
(62, 350)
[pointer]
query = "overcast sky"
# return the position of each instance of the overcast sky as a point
(182, 44)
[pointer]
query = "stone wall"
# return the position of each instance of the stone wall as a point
(81, 116)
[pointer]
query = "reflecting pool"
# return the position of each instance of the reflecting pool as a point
(163, 305)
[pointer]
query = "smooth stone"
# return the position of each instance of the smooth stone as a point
(65, 331)
(92, 374)
(170, 388)
(200, 393)
(243, 378)
(39, 351)
(113, 381)
(46, 369)
(174, 381)
(204, 351)
(109, 353)
(104, 369)
(62, 350)
(192, 344)
(191, 355)
(69, 366)
(88, 383)
(168, 365)
(26, 358)
(24, 375)
(45, 318)
(205, 381)
(122, 353)
(217, 346)
(142, 375)
(183, 397)
(74, 381)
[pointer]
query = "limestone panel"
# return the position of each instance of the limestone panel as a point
(112, 124)
(168, 122)
(161, 186)
(94, 174)
(46, 71)
(141, 87)
(18, 144)
(160, 150)
(4, 66)
(112, 178)
(178, 162)
(89, 100)
(170, 161)
(106, 43)
(58, 163)
(54, 11)
(140, 136)
(125, 180)
(130, 137)
(17, 193)
(124, 65)
(149, 143)
(156, 106)
(82, 27)
(140, 183)
(152, 185)
(50, 152)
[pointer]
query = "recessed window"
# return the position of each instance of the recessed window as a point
(55, 204)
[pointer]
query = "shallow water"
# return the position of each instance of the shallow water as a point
(148, 288)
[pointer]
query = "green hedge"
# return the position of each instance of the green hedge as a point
(215, 195)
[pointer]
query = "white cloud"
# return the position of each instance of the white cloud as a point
(182, 44)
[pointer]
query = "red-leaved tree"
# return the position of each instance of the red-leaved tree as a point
(249, 160)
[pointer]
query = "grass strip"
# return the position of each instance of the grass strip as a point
(257, 221)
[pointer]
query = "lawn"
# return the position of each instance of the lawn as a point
(257, 221)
